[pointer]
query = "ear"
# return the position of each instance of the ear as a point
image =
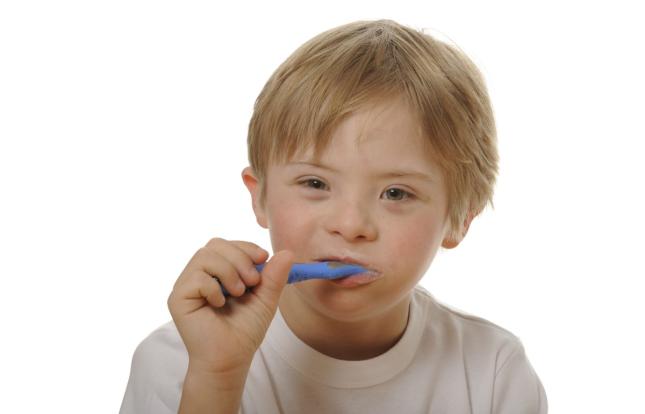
(451, 243)
(255, 189)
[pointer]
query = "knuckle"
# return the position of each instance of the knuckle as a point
(203, 251)
(204, 254)
(242, 244)
(246, 246)
(170, 302)
(215, 241)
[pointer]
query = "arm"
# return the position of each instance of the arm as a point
(205, 392)
(518, 389)
(222, 334)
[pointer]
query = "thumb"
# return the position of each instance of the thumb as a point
(274, 278)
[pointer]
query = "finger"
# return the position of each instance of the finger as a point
(193, 294)
(274, 278)
(243, 256)
(211, 290)
(218, 266)
(258, 254)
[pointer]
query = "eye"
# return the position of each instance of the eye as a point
(314, 183)
(397, 194)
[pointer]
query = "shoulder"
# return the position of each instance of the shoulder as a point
(161, 343)
(162, 355)
(481, 344)
(450, 322)
(158, 368)
(493, 357)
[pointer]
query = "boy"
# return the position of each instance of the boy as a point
(372, 144)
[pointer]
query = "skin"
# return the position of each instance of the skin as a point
(345, 209)
(346, 206)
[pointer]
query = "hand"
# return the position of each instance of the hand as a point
(222, 334)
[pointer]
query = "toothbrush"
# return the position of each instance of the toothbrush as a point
(317, 270)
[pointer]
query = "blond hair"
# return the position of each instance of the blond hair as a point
(342, 69)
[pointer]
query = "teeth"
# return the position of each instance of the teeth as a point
(348, 263)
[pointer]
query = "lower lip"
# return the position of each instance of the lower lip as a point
(356, 280)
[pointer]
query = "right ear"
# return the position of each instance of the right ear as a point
(255, 189)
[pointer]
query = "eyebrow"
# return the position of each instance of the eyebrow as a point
(388, 174)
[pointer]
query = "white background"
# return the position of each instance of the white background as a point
(123, 130)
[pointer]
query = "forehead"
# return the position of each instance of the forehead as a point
(378, 141)
(390, 126)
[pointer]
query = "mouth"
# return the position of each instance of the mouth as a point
(344, 260)
(354, 280)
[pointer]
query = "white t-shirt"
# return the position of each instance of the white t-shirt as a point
(445, 362)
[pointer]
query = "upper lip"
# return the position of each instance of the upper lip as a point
(347, 259)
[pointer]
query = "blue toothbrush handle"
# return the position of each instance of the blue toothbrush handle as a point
(317, 270)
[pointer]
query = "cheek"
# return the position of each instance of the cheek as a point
(418, 241)
(290, 226)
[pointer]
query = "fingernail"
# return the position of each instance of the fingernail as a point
(261, 253)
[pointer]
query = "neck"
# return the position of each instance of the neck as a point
(347, 340)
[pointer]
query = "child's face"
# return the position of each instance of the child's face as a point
(359, 204)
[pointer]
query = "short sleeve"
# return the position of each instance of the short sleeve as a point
(517, 388)
(156, 374)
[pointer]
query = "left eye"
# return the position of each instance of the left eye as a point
(314, 183)
(397, 194)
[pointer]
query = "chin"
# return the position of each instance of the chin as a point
(340, 304)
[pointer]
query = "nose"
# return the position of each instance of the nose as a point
(351, 220)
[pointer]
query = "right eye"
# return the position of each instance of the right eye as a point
(314, 183)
